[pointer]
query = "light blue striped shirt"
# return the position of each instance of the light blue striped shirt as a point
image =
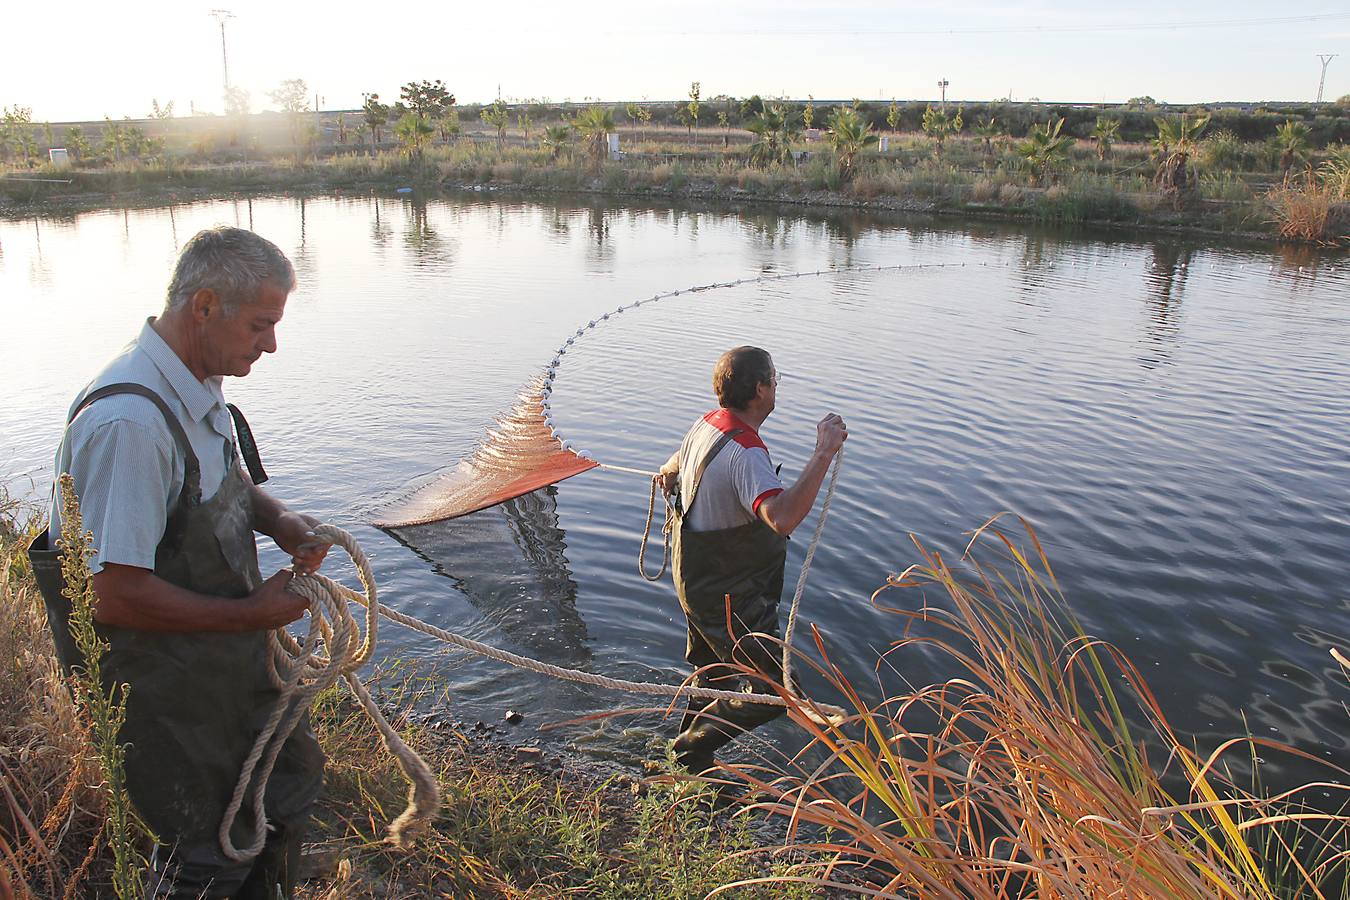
(128, 469)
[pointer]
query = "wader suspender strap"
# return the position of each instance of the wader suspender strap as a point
(248, 447)
(192, 470)
(705, 462)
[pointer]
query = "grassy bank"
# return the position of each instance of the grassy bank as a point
(969, 178)
(1018, 775)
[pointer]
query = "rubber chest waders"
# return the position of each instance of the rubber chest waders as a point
(197, 699)
(746, 564)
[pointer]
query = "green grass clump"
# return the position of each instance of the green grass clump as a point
(509, 830)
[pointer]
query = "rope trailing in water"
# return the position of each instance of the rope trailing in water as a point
(300, 671)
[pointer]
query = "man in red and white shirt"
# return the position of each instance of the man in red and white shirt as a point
(730, 546)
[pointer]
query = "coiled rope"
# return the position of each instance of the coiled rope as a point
(666, 529)
(300, 670)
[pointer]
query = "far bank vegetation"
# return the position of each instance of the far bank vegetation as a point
(1281, 170)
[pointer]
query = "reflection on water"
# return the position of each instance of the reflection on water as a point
(1170, 416)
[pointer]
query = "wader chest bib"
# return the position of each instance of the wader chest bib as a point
(197, 699)
(745, 563)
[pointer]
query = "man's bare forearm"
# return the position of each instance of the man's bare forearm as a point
(267, 510)
(784, 512)
(132, 597)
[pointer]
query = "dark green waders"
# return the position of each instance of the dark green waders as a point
(198, 700)
(744, 564)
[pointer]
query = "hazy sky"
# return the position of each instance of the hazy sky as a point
(82, 60)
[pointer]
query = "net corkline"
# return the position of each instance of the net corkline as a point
(525, 453)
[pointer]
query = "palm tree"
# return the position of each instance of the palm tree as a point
(593, 123)
(1335, 172)
(1045, 148)
(556, 138)
(987, 131)
(1105, 133)
(1175, 143)
(1292, 139)
(849, 135)
(412, 132)
(938, 124)
(775, 128)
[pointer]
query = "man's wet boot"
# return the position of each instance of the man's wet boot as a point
(695, 747)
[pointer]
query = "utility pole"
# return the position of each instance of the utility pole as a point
(942, 86)
(222, 15)
(1326, 59)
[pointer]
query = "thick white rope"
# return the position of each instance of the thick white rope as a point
(665, 535)
(300, 672)
(806, 568)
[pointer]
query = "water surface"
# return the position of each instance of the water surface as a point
(1170, 417)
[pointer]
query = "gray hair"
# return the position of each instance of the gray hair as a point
(233, 262)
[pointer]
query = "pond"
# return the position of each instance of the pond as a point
(1170, 416)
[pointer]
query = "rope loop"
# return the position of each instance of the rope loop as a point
(666, 530)
(300, 671)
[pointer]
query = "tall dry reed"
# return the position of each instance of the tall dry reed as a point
(1020, 774)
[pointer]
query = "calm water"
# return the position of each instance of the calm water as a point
(1171, 417)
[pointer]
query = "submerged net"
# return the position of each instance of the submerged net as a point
(521, 454)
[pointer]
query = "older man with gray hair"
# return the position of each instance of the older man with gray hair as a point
(181, 602)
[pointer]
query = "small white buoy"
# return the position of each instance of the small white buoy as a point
(569, 341)
(566, 445)
(605, 317)
(584, 454)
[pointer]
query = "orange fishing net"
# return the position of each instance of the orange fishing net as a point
(518, 456)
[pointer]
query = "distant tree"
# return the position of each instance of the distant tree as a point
(498, 117)
(116, 141)
(752, 106)
(1334, 174)
(77, 143)
(593, 123)
(161, 112)
(849, 136)
(893, 116)
(524, 122)
(447, 123)
(1105, 133)
(426, 99)
(1343, 101)
(16, 132)
(1175, 143)
(557, 138)
(374, 115)
(987, 131)
(725, 124)
(1045, 149)
(645, 114)
(694, 106)
(632, 110)
(412, 131)
(1144, 102)
(236, 101)
(775, 128)
(938, 124)
(292, 98)
(809, 112)
(1292, 139)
